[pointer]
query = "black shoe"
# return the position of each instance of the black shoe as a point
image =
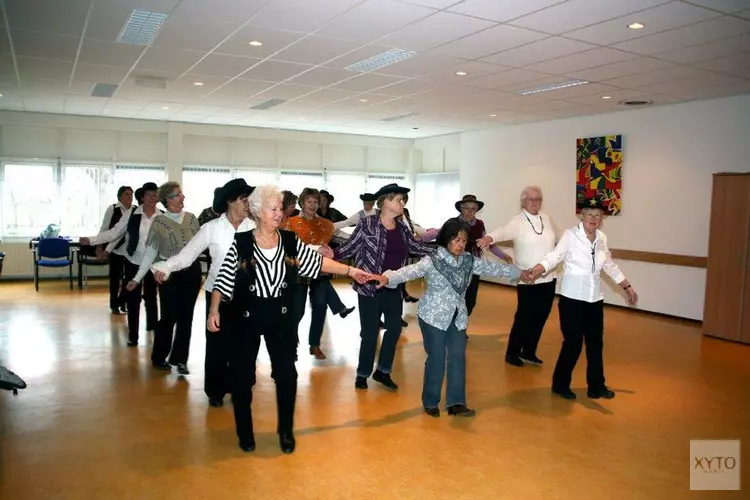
(182, 369)
(515, 361)
(286, 442)
(404, 324)
(381, 325)
(124, 309)
(162, 366)
(385, 379)
(217, 403)
(409, 298)
(433, 412)
(132, 343)
(600, 393)
(360, 383)
(461, 411)
(115, 311)
(564, 393)
(532, 359)
(346, 312)
(247, 445)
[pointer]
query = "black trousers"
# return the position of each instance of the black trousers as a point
(147, 290)
(265, 318)
(216, 382)
(532, 311)
(471, 293)
(177, 297)
(580, 322)
(116, 273)
(388, 303)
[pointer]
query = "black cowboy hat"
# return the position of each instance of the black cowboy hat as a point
(391, 189)
(149, 186)
(469, 198)
(590, 203)
(328, 195)
(235, 188)
(368, 197)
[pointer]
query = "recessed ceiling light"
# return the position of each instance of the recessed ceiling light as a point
(363, 100)
(636, 26)
(606, 97)
(165, 107)
(461, 73)
(198, 84)
(1, 95)
(493, 116)
(256, 43)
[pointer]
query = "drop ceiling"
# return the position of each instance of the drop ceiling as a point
(53, 53)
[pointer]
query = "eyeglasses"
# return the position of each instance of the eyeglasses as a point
(534, 200)
(593, 216)
(172, 196)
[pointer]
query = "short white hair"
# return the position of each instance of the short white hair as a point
(261, 197)
(528, 190)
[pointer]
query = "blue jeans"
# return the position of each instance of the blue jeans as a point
(439, 344)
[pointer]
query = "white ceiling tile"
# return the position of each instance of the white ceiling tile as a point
(30, 68)
(710, 50)
(367, 21)
(744, 13)
(119, 113)
(275, 71)
(321, 77)
(583, 60)
(706, 31)
(473, 69)
(576, 14)
(548, 105)
(728, 6)
(579, 90)
(301, 16)
(622, 68)
(242, 88)
(663, 17)
(99, 73)
(435, 4)
(501, 12)
(690, 84)
(33, 44)
(324, 96)
(126, 104)
(286, 91)
(490, 41)
(727, 64)
(173, 61)
(435, 30)
(273, 40)
(542, 50)
(186, 84)
(407, 87)
(510, 77)
(201, 110)
(739, 87)
(222, 10)
(367, 82)
(315, 49)
(109, 53)
(224, 66)
(194, 33)
(80, 88)
(657, 76)
(548, 80)
(51, 16)
(449, 93)
(83, 110)
(615, 95)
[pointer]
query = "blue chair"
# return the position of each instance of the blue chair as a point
(52, 252)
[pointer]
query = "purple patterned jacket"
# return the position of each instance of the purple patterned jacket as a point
(367, 247)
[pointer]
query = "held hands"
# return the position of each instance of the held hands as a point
(84, 241)
(212, 323)
(359, 275)
(485, 242)
(132, 285)
(159, 277)
(508, 259)
(381, 279)
(526, 276)
(326, 251)
(101, 254)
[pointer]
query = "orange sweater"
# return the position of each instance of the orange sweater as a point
(317, 231)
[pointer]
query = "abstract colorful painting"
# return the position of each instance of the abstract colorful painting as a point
(599, 171)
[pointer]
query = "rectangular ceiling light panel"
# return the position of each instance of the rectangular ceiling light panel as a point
(141, 28)
(554, 86)
(381, 60)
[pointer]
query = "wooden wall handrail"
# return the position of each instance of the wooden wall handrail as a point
(669, 259)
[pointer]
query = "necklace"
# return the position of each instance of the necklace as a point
(532, 225)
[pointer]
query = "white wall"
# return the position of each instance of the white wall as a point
(438, 154)
(669, 152)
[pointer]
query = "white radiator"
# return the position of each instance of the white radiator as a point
(19, 264)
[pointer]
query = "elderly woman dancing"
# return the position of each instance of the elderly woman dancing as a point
(443, 314)
(217, 236)
(168, 235)
(533, 237)
(584, 253)
(259, 279)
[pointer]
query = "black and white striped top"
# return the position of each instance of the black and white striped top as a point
(270, 271)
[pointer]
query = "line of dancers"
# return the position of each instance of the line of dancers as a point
(265, 260)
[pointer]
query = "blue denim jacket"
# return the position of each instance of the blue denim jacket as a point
(440, 302)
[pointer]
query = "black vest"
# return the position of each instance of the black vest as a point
(134, 230)
(116, 216)
(245, 298)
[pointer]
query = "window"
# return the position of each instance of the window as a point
(82, 194)
(134, 176)
(257, 176)
(434, 196)
(29, 204)
(296, 181)
(198, 185)
(346, 188)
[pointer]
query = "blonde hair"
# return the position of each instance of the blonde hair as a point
(262, 196)
(165, 190)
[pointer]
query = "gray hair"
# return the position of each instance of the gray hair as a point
(262, 196)
(165, 190)
(528, 190)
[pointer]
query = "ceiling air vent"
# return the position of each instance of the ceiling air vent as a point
(103, 90)
(636, 102)
(271, 103)
(141, 27)
(400, 117)
(149, 82)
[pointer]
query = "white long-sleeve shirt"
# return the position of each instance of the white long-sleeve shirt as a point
(217, 235)
(583, 262)
(529, 247)
(120, 231)
(108, 213)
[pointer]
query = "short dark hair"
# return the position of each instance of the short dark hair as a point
(121, 190)
(289, 199)
(139, 195)
(450, 230)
